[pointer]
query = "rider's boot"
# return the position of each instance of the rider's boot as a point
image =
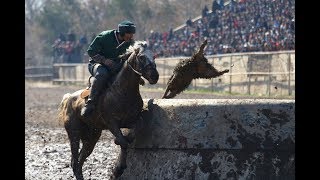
(88, 108)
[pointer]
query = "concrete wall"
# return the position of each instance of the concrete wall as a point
(215, 139)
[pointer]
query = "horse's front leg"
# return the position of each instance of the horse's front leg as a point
(130, 136)
(121, 164)
(137, 127)
(119, 138)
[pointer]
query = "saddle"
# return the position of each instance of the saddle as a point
(85, 92)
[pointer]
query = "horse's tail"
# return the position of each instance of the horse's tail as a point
(62, 110)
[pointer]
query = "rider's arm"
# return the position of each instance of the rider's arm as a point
(94, 51)
(102, 60)
(96, 46)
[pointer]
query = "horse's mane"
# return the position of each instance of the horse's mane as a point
(134, 45)
(186, 64)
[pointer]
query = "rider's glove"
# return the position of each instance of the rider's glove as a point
(102, 60)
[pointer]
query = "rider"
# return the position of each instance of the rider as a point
(103, 52)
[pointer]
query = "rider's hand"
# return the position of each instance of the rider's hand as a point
(108, 62)
(116, 67)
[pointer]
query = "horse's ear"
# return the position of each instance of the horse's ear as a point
(136, 51)
(202, 46)
(133, 54)
(125, 56)
(200, 52)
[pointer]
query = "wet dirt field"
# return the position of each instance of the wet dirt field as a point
(47, 152)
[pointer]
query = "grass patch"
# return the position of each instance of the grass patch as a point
(219, 93)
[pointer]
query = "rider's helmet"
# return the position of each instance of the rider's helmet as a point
(126, 27)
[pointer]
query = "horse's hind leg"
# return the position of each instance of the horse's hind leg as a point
(219, 73)
(74, 138)
(121, 163)
(89, 140)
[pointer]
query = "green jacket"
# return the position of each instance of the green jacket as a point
(106, 44)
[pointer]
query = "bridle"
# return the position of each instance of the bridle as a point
(139, 72)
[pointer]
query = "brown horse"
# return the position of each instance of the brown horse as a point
(192, 68)
(120, 106)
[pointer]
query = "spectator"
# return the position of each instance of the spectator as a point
(83, 40)
(69, 48)
(83, 45)
(221, 4)
(246, 26)
(205, 11)
(58, 48)
(66, 49)
(215, 6)
(189, 22)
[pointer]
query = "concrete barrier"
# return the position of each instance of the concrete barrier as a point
(215, 139)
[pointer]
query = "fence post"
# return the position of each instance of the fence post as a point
(269, 75)
(249, 84)
(289, 72)
(164, 71)
(230, 76)
(212, 78)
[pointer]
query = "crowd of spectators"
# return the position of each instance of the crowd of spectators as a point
(239, 26)
(67, 49)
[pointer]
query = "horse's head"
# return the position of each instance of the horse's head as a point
(142, 60)
(203, 68)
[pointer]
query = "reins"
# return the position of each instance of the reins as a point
(137, 72)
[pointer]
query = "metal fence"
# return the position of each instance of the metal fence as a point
(260, 73)
(40, 73)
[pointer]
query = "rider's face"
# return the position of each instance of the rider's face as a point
(128, 36)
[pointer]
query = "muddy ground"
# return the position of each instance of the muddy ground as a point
(47, 152)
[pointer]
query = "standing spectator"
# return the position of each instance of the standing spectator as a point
(205, 11)
(221, 3)
(215, 6)
(83, 42)
(58, 48)
(69, 48)
(189, 22)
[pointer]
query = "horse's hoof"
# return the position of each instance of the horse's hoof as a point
(123, 143)
(123, 167)
(118, 171)
(130, 139)
(79, 177)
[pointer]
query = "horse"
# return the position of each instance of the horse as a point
(191, 68)
(120, 106)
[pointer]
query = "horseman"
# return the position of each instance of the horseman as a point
(104, 62)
